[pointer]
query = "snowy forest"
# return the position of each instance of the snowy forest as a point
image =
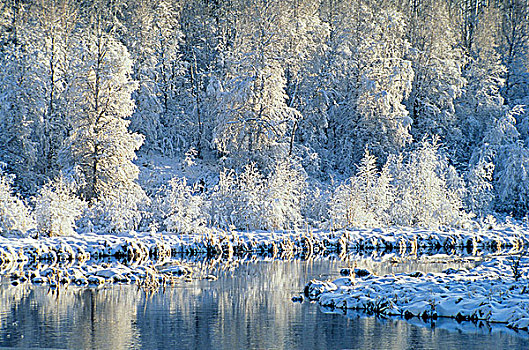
(269, 114)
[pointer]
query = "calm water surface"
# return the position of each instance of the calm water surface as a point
(248, 307)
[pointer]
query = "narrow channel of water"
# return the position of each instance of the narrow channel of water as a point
(248, 307)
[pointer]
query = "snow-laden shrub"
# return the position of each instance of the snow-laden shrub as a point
(248, 200)
(57, 207)
(14, 214)
(315, 205)
(480, 194)
(285, 189)
(427, 191)
(364, 199)
(421, 190)
(251, 201)
(223, 200)
(181, 207)
(119, 211)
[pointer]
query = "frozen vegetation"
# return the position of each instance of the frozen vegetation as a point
(179, 116)
(142, 130)
(146, 258)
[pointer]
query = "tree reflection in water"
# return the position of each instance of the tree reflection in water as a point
(249, 306)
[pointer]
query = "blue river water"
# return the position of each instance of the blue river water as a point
(249, 306)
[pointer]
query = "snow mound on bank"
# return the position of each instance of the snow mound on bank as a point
(494, 291)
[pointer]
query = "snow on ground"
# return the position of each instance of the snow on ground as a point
(138, 247)
(147, 276)
(489, 291)
(497, 290)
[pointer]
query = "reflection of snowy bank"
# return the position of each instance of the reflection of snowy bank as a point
(479, 328)
(148, 276)
(145, 250)
(495, 291)
(138, 247)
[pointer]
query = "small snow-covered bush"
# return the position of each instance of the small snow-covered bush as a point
(285, 189)
(364, 199)
(421, 190)
(427, 192)
(14, 214)
(315, 205)
(57, 207)
(223, 200)
(251, 201)
(119, 211)
(181, 207)
(248, 199)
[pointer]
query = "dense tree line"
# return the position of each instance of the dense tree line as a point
(391, 95)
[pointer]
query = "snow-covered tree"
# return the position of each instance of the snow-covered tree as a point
(515, 48)
(57, 207)
(481, 103)
(33, 80)
(209, 29)
(56, 21)
(437, 62)
(364, 79)
(504, 148)
(35, 63)
(306, 36)
(385, 81)
(363, 200)
(181, 207)
(100, 142)
(426, 192)
(252, 112)
(162, 100)
(21, 105)
(15, 216)
(512, 180)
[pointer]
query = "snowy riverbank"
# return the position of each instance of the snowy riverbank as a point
(95, 259)
(496, 290)
(139, 247)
